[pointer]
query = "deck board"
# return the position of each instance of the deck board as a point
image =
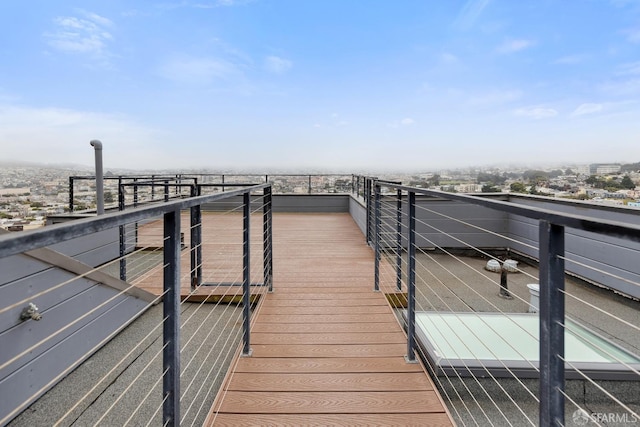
(363, 381)
(326, 365)
(324, 318)
(329, 350)
(336, 309)
(326, 348)
(370, 337)
(287, 328)
(323, 420)
(330, 402)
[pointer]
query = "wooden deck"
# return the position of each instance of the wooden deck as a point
(221, 254)
(327, 349)
(222, 258)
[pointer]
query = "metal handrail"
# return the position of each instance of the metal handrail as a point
(552, 226)
(46, 236)
(172, 180)
(17, 243)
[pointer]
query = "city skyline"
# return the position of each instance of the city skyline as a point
(260, 84)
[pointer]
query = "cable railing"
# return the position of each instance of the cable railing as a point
(70, 291)
(436, 247)
(134, 190)
(432, 245)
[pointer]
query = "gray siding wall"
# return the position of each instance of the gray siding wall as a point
(616, 256)
(78, 317)
(610, 254)
(435, 226)
(311, 203)
(289, 203)
(358, 213)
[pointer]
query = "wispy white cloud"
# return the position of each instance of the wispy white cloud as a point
(277, 65)
(633, 34)
(212, 4)
(232, 2)
(63, 135)
(448, 58)
(571, 59)
(469, 14)
(621, 87)
(218, 3)
(131, 13)
(84, 34)
(100, 20)
(536, 112)
(624, 82)
(631, 68)
(406, 121)
(197, 70)
(514, 45)
(588, 108)
(610, 108)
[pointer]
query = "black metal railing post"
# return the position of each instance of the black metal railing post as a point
(171, 325)
(121, 192)
(551, 238)
(376, 232)
(309, 192)
(122, 234)
(199, 238)
(70, 194)
(153, 187)
(367, 201)
(267, 239)
(246, 274)
(194, 214)
(135, 193)
(166, 191)
(135, 205)
(399, 240)
(411, 281)
(223, 183)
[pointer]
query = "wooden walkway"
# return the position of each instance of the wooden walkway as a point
(221, 254)
(327, 350)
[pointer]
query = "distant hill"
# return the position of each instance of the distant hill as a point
(630, 167)
(25, 163)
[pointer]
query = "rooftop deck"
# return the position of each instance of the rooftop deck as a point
(326, 348)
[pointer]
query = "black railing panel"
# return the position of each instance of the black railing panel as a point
(551, 259)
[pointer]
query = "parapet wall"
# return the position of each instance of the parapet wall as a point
(612, 261)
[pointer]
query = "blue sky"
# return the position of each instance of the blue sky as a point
(332, 84)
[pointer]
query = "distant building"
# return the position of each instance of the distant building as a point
(582, 170)
(468, 188)
(604, 194)
(603, 169)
